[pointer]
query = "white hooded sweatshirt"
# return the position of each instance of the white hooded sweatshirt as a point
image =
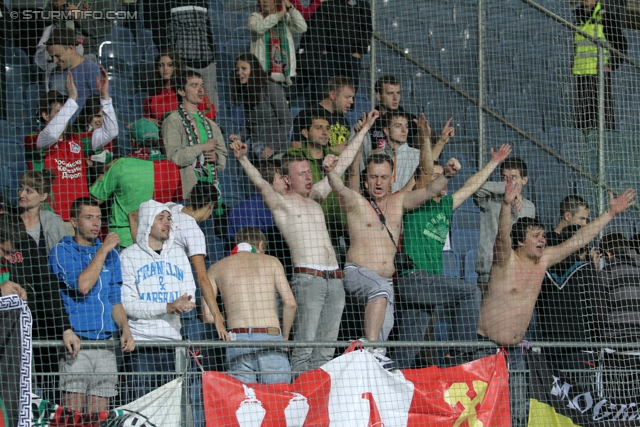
(151, 280)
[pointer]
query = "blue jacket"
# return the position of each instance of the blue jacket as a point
(90, 315)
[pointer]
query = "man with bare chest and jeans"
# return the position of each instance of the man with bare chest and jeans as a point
(248, 280)
(519, 264)
(317, 279)
(370, 260)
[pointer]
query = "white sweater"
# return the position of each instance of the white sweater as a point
(151, 280)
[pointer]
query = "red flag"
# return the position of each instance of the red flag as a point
(355, 390)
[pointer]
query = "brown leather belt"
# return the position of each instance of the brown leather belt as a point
(327, 274)
(272, 330)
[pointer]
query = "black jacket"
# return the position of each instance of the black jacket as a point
(339, 26)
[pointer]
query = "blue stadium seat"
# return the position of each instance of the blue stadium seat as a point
(120, 34)
(145, 43)
(11, 150)
(470, 259)
(463, 241)
(17, 114)
(451, 264)
(16, 57)
(235, 47)
(234, 20)
(466, 220)
(548, 193)
(114, 54)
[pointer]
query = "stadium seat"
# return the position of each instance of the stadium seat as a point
(145, 43)
(121, 34)
(451, 264)
(470, 259)
(466, 220)
(11, 150)
(114, 55)
(16, 57)
(463, 241)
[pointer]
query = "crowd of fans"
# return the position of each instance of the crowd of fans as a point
(105, 247)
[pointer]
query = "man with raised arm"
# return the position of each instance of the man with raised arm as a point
(520, 261)
(423, 239)
(375, 222)
(248, 281)
(317, 279)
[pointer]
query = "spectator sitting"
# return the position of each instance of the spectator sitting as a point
(267, 114)
(62, 47)
(94, 117)
(338, 99)
(163, 101)
(271, 39)
(253, 213)
(91, 272)
(132, 180)
(248, 281)
(43, 226)
(152, 300)
(192, 141)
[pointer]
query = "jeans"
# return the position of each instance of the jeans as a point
(195, 330)
(320, 305)
(433, 291)
(161, 365)
(518, 380)
(244, 363)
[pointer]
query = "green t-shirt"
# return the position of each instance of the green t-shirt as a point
(425, 232)
(130, 180)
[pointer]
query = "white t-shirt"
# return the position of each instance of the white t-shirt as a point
(188, 235)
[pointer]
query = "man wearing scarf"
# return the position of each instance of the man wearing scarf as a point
(192, 141)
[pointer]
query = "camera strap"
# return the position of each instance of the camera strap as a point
(383, 220)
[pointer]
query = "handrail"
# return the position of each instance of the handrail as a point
(579, 169)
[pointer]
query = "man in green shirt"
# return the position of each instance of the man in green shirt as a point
(134, 180)
(424, 234)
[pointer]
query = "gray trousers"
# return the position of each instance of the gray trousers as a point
(434, 292)
(320, 303)
(366, 285)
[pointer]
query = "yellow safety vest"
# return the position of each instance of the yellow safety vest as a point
(585, 60)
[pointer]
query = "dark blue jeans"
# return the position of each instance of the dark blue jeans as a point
(150, 368)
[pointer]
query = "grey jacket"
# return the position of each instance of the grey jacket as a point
(270, 122)
(489, 199)
(53, 228)
(179, 152)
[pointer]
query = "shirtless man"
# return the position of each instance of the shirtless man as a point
(519, 264)
(247, 281)
(370, 260)
(317, 279)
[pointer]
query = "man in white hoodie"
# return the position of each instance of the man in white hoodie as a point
(158, 286)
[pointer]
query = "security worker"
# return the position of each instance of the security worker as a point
(606, 25)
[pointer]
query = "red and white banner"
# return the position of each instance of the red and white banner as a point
(354, 390)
